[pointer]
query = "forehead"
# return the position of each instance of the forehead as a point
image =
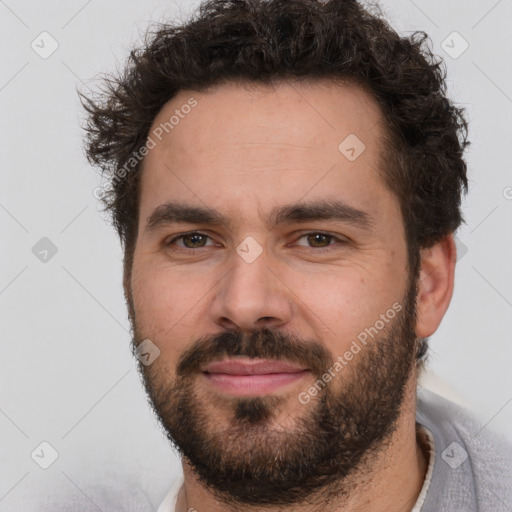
(258, 144)
(306, 117)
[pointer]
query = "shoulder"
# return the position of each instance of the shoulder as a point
(473, 464)
(113, 493)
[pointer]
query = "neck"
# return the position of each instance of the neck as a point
(390, 482)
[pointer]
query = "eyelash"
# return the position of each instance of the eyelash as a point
(315, 249)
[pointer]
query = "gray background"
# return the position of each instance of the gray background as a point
(66, 373)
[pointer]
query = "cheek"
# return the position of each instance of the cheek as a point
(164, 308)
(344, 293)
(159, 293)
(350, 303)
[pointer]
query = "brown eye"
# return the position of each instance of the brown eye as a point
(319, 240)
(194, 240)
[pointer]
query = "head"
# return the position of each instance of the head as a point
(316, 157)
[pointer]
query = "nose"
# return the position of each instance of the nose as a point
(251, 296)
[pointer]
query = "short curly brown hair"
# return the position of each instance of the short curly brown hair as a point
(268, 41)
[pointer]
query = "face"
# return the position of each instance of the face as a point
(270, 270)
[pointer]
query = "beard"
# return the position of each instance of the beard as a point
(276, 450)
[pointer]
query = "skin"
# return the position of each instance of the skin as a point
(242, 152)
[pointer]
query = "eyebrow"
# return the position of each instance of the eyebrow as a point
(175, 213)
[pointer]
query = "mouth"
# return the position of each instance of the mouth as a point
(241, 376)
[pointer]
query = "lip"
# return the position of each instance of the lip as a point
(245, 377)
(247, 366)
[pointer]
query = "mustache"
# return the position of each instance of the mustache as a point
(264, 344)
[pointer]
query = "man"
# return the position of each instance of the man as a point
(286, 181)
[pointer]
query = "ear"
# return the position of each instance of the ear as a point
(127, 287)
(126, 281)
(435, 285)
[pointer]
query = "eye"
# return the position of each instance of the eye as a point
(192, 240)
(319, 240)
